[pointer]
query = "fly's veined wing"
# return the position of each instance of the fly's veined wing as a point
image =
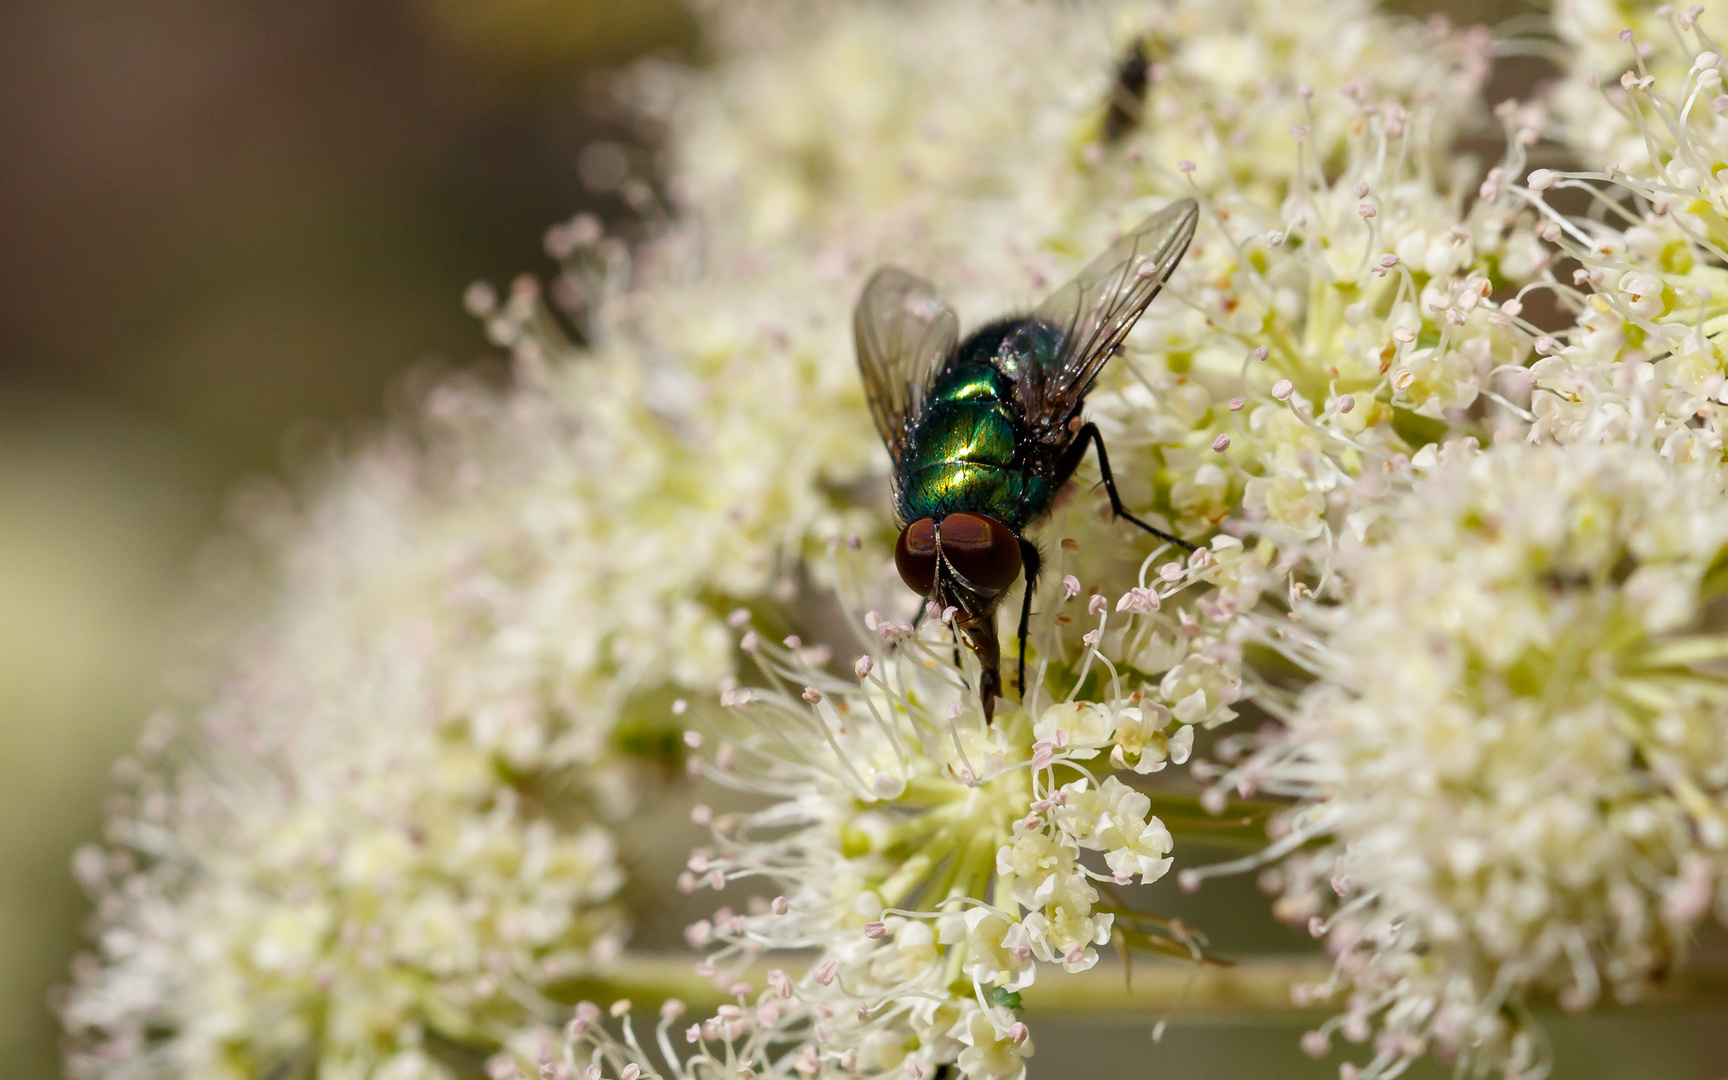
(905, 332)
(1093, 313)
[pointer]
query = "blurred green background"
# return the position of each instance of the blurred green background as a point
(228, 228)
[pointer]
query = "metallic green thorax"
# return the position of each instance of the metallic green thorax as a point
(967, 452)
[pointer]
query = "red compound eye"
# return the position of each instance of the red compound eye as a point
(915, 556)
(981, 550)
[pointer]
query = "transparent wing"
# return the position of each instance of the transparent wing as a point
(905, 333)
(1091, 315)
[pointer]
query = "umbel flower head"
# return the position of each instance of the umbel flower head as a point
(1512, 770)
(1643, 361)
(384, 841)
(935, 862)
(350, 852)
(1613, 52)
(395, 790)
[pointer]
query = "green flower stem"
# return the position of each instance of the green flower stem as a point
(1259, 988)
(1153, 988)
(1150, 989)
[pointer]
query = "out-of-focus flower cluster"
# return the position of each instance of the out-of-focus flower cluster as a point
(385, 841)
(1613, 53)
(1515, 749)
(1648, 277)
(364, 843)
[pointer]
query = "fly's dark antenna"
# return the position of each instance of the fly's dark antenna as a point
(1127, 103)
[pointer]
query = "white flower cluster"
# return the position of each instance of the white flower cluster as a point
(361, 845)
(386, 843)
(1643, 361)
(1516, 751)
(867, 119)
(1510, 766)
(1343, 327)
(933, 861)
(472, 617)
(344, 928)
(1613, 52)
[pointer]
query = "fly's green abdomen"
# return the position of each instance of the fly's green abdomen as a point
(963, 455)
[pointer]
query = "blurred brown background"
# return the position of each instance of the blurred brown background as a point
(228, 226)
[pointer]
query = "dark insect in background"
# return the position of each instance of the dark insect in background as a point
(1127, 101)
(984, 432)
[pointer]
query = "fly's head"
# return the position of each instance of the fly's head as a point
(965, 561)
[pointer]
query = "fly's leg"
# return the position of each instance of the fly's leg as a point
(1030, 559)
(1089, 433)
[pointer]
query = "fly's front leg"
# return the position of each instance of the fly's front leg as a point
(1030, 559)
(1089, 433)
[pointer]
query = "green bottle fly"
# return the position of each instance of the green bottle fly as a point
(983, 433)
